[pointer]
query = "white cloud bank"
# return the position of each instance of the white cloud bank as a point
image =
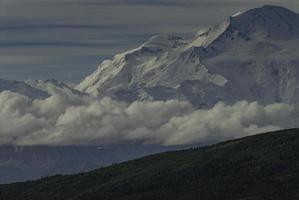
(69, 119)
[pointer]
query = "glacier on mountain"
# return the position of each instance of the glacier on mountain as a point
(250, 56)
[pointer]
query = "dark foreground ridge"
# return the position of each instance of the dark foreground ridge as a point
(264, 166)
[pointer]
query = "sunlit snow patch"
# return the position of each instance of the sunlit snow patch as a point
(237, 14)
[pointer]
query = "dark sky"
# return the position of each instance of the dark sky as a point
(67, 39)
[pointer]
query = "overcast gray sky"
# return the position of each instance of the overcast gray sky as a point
(67, 39)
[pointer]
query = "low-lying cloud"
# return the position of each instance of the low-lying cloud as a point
(70, 119)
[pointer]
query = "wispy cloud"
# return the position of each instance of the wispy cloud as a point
(90, 30)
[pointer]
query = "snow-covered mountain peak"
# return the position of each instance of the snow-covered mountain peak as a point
(54, 82)
(265, 23)
(251, 55)
(259, 24)
(22, 88)
(266, 15)
(135, 67)
(37, 89)
(164, 42)
(51, 85)
(157, 44)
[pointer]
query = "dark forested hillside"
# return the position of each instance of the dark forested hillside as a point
(22, 163)
(264, 166)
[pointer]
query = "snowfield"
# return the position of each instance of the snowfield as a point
(251, 56)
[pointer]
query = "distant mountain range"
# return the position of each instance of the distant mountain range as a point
(259, 167)
(21, 88)
(36, 89)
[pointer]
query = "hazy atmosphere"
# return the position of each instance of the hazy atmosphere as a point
(67, 39)
(149, 99)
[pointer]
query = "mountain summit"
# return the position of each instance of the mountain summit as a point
(250, 56)
(267, 22)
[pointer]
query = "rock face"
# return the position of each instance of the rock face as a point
(250, 56)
